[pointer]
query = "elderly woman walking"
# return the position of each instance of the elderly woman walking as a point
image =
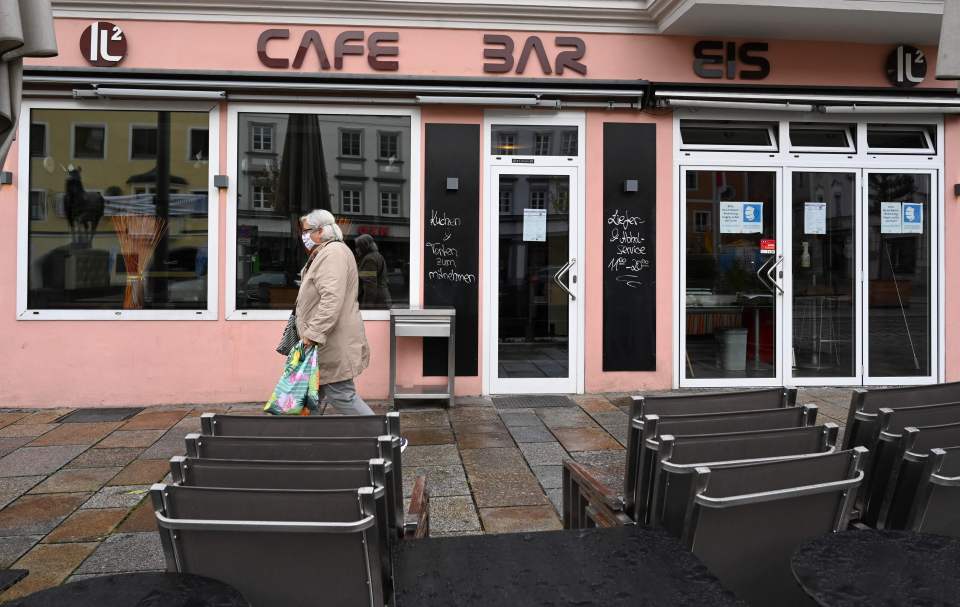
(328, 315)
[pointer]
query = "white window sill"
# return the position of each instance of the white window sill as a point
(368, 315)
(117, 315)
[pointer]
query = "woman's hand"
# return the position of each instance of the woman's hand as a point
(307, 342)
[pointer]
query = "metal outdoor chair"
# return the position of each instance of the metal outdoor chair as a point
(326, 449)
(680, 456)
(936, 505)
(746, 521)
(584, 488)
(326, 426)
(907, 472)
(692, 404)
(655, 426)
(865, 405)
(276, 547)
(885, 453)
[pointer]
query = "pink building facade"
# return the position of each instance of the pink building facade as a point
(606, 211)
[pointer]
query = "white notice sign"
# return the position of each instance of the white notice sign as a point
(731, 218)
(535, 225)
(815, 218)
(912, 221)
(890, 218)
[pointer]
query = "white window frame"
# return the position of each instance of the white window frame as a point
(416, 204)
(539, 204)
(742, 124)
(23, 206)
(509, 209)
(929, 150)
(543, 137)
(351, 187)
(73, 140)
(849, 132)
(380, 136)
(902, 161)
(253, 138)
(565, 142)
(253, 198)
(133, 127)
(190, 157)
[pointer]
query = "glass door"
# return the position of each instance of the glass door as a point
(534, 325)
(900, 307)
(822, 282)
(731, 277)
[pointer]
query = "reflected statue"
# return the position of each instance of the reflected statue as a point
(372, 269)
(83, 209)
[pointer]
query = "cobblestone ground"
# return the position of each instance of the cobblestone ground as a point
(73, 493)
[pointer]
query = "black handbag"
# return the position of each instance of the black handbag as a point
(290, 335)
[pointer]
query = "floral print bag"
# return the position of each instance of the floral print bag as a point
(298, 391)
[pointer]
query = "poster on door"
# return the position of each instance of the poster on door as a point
(891, 218)
(741, 217)
(534, 225)
(814, 218)
(912, 218)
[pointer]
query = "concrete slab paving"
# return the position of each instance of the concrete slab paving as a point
(38, 514)
(73, 480)
(96, 458)
(49, 565)
(453, 514)
(442, 481)
(13, 547)
(124, 552)
(33, 461)
(543, 454)
(14, 487)
(122, 496)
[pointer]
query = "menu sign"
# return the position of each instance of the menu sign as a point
(629, 247)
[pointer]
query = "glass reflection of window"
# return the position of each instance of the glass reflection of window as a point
(538, 199)
(199, 149)
(701, 221)
(389, 203)
(506, 201)
(351, 143)
(262, 198)
(568, 143)
(262, 138)
(38, 140)
(38, 205)
(143, 142)
(351, 201)
(390, 146)
(89, 141)
(506, 144)
(542, 144)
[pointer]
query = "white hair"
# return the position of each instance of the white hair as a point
(323, 220)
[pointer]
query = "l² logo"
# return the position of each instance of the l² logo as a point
(906, 66)
(103, 44)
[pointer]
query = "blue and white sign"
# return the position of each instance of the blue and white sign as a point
(752, 218)
(912, 222)
(741, 217)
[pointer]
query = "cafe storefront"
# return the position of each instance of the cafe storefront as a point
(607, 211)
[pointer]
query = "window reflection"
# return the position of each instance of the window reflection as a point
(108, 187)
(357, 167)
(510, 140)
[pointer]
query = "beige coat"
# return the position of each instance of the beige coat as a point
(328, 313)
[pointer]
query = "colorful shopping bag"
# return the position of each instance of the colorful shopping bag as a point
(298, 391)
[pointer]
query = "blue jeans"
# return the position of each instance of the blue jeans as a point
(343, 396)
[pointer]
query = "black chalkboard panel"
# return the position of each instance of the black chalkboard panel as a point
(451, 257)
(629, 247)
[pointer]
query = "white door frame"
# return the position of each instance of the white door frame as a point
(859, 234)
(547, 165)
(777, 378)
(935, 356)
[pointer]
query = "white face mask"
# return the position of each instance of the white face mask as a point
(308, 241)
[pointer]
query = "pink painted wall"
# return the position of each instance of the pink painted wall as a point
(951, 247)
(56, 363)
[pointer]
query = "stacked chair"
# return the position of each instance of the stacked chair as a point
(742, 478)
(910, 432)
(291, 511)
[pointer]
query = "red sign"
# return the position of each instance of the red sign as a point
(768, 246)
(103, 44)
(374, 230)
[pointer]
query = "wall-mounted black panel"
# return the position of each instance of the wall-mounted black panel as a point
(451, 261)
(629, 247)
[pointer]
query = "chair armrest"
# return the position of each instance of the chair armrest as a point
(416, 524)
(592, 486)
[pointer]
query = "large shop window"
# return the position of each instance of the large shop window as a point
(118, 216)
(355, 165)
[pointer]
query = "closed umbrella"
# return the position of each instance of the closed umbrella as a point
(302, 184)
(26, 30)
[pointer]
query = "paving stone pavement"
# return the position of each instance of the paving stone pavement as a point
(74, 501)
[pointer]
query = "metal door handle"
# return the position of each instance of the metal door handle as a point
(561, 272)
(773, 279)
(760, 270)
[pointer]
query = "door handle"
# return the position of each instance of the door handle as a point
(773, 279)
(760, 272)
(561, 272)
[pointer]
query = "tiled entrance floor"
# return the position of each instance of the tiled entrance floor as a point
(72, 495)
